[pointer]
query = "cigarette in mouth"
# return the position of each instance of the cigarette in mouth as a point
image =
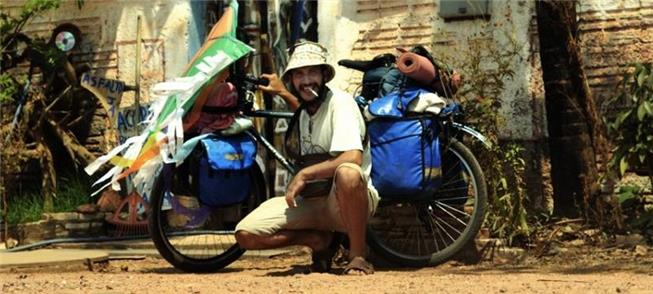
(313, 92)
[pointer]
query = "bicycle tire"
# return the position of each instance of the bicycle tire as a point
(207, 247)
(429, 232)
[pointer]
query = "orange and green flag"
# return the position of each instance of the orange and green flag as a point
(162, 140)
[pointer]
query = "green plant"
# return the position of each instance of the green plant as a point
(27, 208)
(632, 129)
(487, 68)
(8, 87)
(10, 24)
(638, 214)
(72, 192)
(28, 205)
(508, 217)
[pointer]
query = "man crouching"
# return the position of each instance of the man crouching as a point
(329, 122)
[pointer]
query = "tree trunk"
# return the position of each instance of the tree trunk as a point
(49, 175)
(571, 116)
(78, 153)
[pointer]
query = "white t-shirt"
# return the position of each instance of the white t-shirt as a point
(337, 126)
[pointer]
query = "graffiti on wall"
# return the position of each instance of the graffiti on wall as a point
(109, 92)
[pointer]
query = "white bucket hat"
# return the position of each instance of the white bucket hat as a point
(306, 53)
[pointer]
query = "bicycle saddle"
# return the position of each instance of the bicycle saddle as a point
(365, 65)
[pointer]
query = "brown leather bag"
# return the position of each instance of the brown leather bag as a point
(317, 187)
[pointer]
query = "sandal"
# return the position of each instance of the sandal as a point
(323, 259)
(358, 265)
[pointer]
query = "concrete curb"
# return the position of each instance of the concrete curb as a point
(70, 253)
(46, 257)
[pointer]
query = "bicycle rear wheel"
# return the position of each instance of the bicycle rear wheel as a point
(191, 236)
(429, 232)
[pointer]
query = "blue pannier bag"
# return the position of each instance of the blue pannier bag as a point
(406, 161)
(223, 176)
(405, 157)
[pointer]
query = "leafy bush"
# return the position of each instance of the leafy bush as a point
(8, 87)
(508, 217)
(632, 129)
(487, 68)
(639, 215)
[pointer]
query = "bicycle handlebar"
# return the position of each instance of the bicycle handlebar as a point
(365, 65)
(255, 80)
(359, 65)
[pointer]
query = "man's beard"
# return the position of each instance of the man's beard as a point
(313, 104)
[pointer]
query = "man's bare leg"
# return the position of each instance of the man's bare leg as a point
(316, 240)
(351, 193)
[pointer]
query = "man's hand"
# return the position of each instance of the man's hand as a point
(275, 86)
(456, 81)
(296, 185)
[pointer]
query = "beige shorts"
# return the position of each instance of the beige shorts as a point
(319, 213)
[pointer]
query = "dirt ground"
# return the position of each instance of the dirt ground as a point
(580, 270)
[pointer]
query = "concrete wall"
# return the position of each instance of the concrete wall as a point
(365, 28)
(613, 34)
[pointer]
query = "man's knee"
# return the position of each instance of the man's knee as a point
(349, 185)
(348, 178)
(246, 240)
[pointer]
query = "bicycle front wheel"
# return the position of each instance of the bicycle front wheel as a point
(191, 236)
(431, 231)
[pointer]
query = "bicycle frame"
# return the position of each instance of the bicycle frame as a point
(260, 139)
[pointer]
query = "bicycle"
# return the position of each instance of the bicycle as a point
(398, 231)
(177, 243)
(427, 231)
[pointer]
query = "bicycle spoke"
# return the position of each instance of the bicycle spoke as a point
(444, 208)
(453, 181)
(437, 223)
(451, 168)
(434, 221)
(452, 228)
(443, 240)
(450, 190)
(433, 229)
(452, 198)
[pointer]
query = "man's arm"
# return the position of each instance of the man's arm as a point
(326, 169)
(276, 87)
(320, 170)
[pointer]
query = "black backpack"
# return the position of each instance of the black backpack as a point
(382, 77)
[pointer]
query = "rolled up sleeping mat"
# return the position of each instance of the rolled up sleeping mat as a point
(416, 67)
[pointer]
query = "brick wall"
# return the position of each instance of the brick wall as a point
(613, 37)
(57, 226)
